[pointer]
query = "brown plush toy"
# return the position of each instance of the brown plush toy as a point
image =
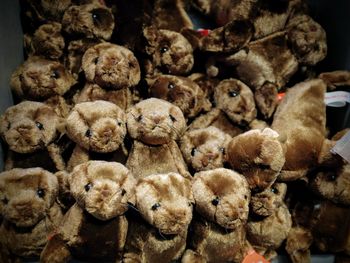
(167, 52)
(91, 20)
(204, 149)
(271, 221)
(182, 92)
(298, 244)
(155, 125)
(304, 133)
(47, 41)
(222, 199)
(95, 228)
(28, 211)
(258, 155)
(111, 66)
(165, 202)
(38, 79)
(30, 129)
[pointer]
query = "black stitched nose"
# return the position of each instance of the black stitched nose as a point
(215, 201)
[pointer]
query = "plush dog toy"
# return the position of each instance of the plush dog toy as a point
(205, 149)
(29, 212)
(258, 155)
(155, 125)
(38, 79)
(111, 66)
(222, 200)
(165, 202)
(95, 228)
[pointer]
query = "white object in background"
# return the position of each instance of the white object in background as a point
(342, 147)
(337, 98)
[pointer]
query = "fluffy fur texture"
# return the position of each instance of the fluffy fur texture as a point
(204, 149)
(336, 78)
(304, 133)
(111, 66)
(266, 99)
(298, 244)
(92, 20)
(235, 99)
(165, 202)
(222, 198)
(258, 155)
(95, 227)
(28, 210)
(47, 41)
(98, 126)
(308, 40)
(182, 92)
(267, 232)
(29, 126)
(155, 125)
(168, 52)
(39, 79)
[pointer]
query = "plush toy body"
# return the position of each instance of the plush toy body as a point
(155, 125)
(95, 227)
(222, 198)
(28, 210)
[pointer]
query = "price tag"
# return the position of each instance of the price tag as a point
(254, 257)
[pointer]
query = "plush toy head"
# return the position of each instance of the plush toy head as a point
(165, 201)
(258, 155)
(90, 20)
(222, 196)
(98, 126)
(308, 40)
(169, 52)
(269, 200)
(204, 149)
(111, 66)
(47, 41)
(26, 195)
(102, 188)
(154, 121)
(182, 92)
(236, 100)
(29, 126)
(39, 79)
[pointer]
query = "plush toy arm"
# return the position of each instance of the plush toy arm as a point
(79, 156)
(179, 161)
(191, 256)
(55, 155)
(55, 251)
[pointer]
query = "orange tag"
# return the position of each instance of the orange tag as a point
(253, 257)
(280, 96)
(51, 235)
(203, 32)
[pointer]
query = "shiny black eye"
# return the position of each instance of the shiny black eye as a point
(245, 197)
(171, 86)
(5, 201)
(163, 49)
(331, 177)
(40, 192)
(194, 151)
(55, 74)
(120, 123)
(172, 118)
(87, 187)
(274, 190)
(39, 125)
(88, 133)
(215, 201)
(155, 206)
(190, 204)
(95, 60)
(222, 149)
(123, 192)
(96, 17)
(139, 118)
(233, 93)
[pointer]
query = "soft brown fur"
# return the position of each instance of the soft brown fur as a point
(308, 40)
(168, 52)
(92, 20)
(95, 227)
(111, 66)
(301, 119)
(206, 83)
(267, 234)
(39, 79)
(47, 41)
(182, 92)
(258, 155)
(298, 244)
(266, 99)
(99, 126)
(204, 149)
(155, 125)
(336, 78)
(165, 202)
(28, 210)
(235, 99)
(222, 198)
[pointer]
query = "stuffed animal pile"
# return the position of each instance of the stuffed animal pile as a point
(136, 138)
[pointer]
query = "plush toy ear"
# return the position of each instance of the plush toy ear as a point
(16, 83)
(130, 186)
